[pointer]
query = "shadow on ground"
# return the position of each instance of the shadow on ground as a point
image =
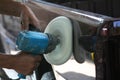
(76, 76)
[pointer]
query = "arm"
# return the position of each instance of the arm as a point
(13, 8)
(5, 60)
(19, 62)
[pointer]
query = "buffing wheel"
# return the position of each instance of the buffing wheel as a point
(61, 27)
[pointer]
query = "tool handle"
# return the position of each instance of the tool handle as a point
(21, 76)
(31, 28)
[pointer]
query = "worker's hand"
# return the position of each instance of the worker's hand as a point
(25, 63)
(28, 17)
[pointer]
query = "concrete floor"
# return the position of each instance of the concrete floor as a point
(72, 70)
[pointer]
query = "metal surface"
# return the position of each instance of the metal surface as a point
(89, 18)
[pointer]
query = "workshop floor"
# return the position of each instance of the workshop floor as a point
(72, 70)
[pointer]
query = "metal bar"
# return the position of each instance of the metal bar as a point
(89, 18)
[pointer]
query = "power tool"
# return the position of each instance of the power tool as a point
(55, 43)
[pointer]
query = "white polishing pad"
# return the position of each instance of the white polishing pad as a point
(61, 27)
